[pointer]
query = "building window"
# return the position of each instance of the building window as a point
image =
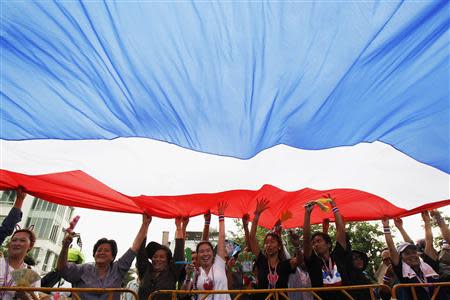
(42, 226)
(8, 197)
(35, 252)
(54, 233)
(69, 213)
(55, 261)
(47, 258)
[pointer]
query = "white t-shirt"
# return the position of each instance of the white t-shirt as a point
(5, 275)
(217, 274)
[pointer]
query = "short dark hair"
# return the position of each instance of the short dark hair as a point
(325, 237)
(112, 243)
(202, 243)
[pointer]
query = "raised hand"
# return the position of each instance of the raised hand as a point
(426, 216)
(222, 207)
(385, 222)
(178, 221)
(146, 219)
(185, 222)
(309, 207)
(207, 216)
(398, 222)
(245, 219)
(261, 205)
(20, 193)
(68, 238)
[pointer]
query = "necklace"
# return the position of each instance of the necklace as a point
(7, 282)
(328, 268)
(272, 276)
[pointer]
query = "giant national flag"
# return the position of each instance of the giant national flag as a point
(228, 79)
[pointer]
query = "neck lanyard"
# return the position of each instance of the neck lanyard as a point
(272, 277)
(5, 279)
(208, 284)
(329, 267)
(422, 279)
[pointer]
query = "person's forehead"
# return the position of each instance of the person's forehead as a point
(410, 250)
(21, 235)
(104, 246)
(160, 252)
(318, 238)
(204, 247)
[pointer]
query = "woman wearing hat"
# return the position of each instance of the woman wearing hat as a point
(408, 266)
(161, 273)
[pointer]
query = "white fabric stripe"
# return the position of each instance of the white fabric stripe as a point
(136, 166)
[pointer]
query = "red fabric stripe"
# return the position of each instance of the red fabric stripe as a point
(76, 188)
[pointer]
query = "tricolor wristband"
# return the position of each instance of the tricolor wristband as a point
(207, 222)
(386, 278)
(387, 230)
(335, 210)
(221, 218)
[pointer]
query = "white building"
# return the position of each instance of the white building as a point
(49, 220)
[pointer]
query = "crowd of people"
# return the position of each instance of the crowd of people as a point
(314, 261)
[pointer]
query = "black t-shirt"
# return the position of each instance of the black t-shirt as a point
(319, 269)
(283, 270)
(422, 293)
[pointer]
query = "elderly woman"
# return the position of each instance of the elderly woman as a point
(105, 272)
(409, 267)
(161, 273)
(211, 273)
(22, 241)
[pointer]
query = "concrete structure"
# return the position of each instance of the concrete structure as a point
(193, 238)
(48, 219)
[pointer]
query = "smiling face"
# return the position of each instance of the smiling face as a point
(159, 260)
(19, 245)
(205, 255)
(411, 257)
(271, 246)
(104, 254)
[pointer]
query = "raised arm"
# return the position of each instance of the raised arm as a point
(14, 216)
(307, 245)
(221, 252)
(445, 231)
(295, 241)
(340, 226)
(429, 249)
(245, 219)
(261, 205)
(62, 258)
(207, 217)
(142, 262)
(325, 225)
(399, 224)
(142, 233)
(180, 236)
(395, 257)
